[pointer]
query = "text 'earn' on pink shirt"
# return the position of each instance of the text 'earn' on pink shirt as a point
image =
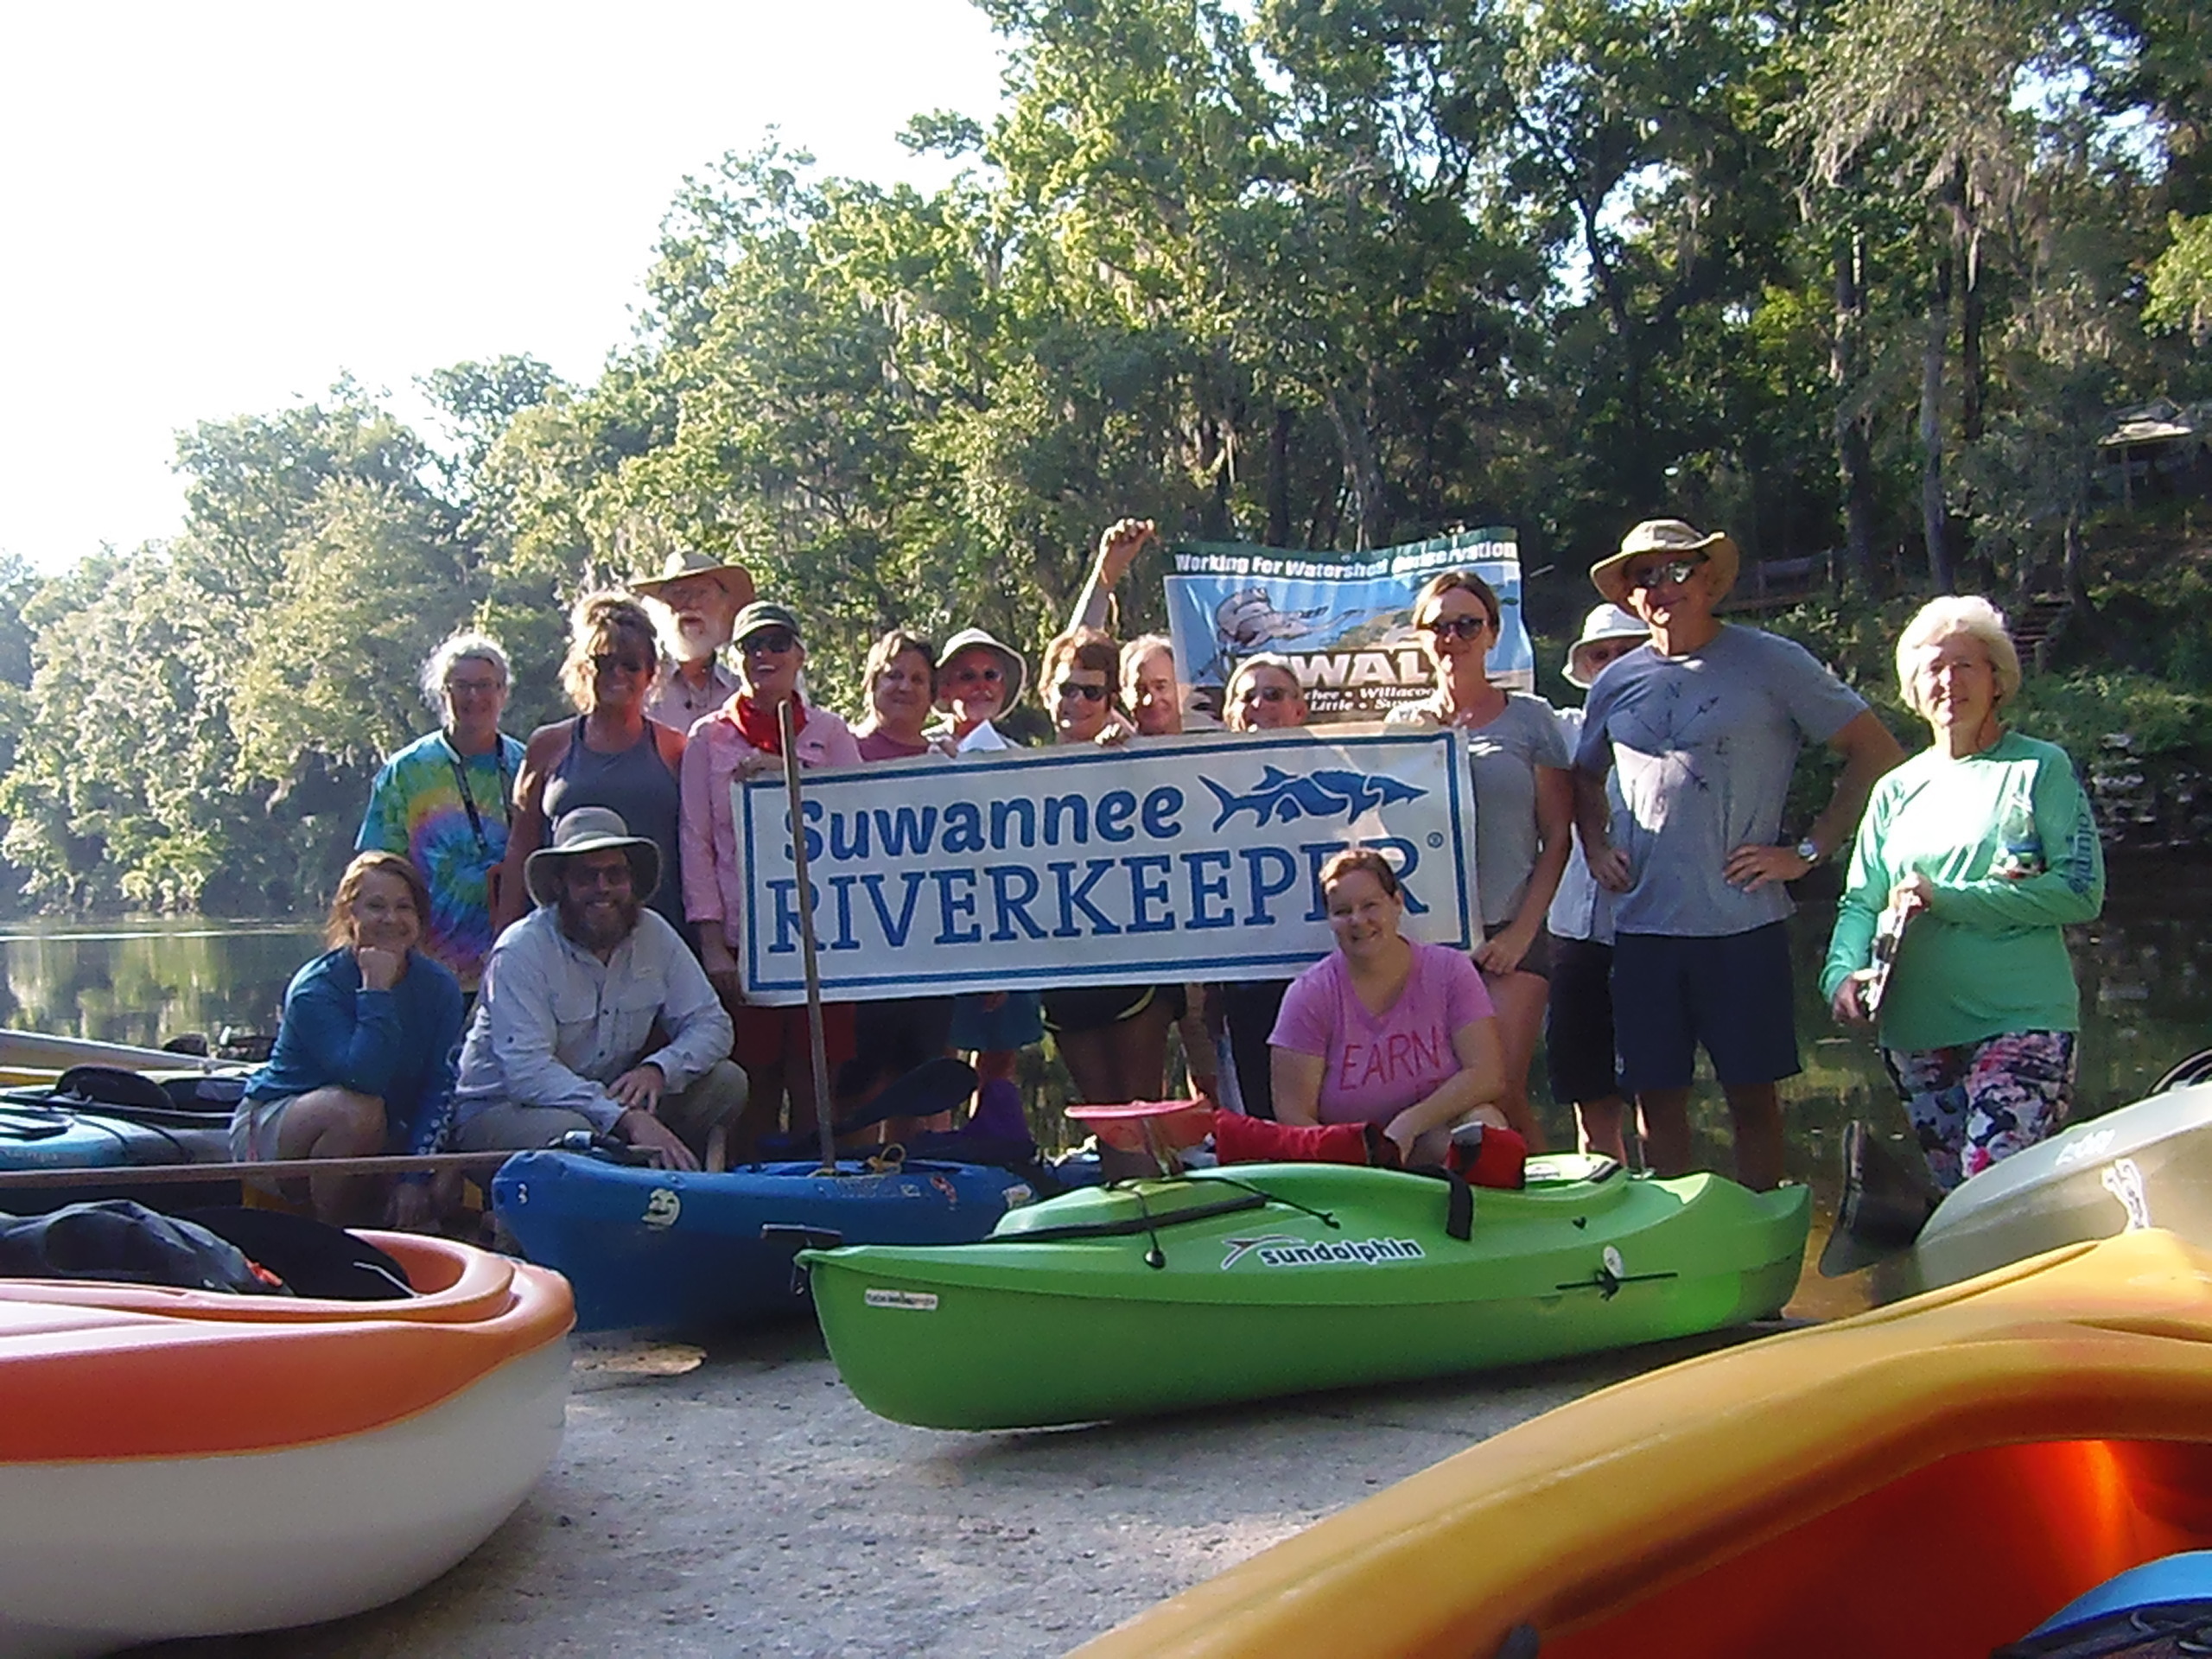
(1377, 1064)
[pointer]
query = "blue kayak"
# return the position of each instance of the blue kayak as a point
(660, 1249)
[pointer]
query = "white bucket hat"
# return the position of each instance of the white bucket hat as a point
(1604, 622)
(590, 830)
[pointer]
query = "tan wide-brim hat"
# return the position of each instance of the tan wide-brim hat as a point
(1609, 576)
(1607, 621)
(1017, 671)
(737, 580)
(590, 830)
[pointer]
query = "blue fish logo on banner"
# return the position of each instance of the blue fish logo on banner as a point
(1281, 797)
(1344, 622)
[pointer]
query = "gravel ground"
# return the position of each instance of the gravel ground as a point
(737, 1501)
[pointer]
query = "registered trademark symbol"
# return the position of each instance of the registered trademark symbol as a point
(1436, 838)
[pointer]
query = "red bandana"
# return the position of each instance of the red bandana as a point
(757, 726)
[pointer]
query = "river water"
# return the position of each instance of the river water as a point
(2145, 971)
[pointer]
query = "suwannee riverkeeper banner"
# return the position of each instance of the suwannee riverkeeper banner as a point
(1171, 859)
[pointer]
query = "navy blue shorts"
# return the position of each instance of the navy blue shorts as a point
(1578, 1022)
(1731, 993)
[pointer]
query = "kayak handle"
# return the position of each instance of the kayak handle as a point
(808, 1238)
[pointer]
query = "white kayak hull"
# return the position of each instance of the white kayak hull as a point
(2147, 1164)
(97, 1556)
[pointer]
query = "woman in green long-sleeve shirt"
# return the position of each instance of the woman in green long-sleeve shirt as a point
(1983, 841)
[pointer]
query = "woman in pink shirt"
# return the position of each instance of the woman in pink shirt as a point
(741, 740)
(1383, 1030)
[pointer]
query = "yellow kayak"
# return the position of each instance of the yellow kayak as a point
(1932, 1479)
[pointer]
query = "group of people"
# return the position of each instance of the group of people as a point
(583, 887)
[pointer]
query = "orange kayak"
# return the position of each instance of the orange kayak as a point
(1935, 1479)
(184, 1463)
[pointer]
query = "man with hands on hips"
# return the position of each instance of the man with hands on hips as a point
(594, 1015)
(1704, 724)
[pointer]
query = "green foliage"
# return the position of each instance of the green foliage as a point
(1317, 273)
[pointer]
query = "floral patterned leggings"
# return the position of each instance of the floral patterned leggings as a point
(1984, 1101)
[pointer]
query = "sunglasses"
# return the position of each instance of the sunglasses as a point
(1072, 688)
(611, 661)
(1673, 573)
(1456, 627)
(773, 642)
(970, 676)
(1264, 694)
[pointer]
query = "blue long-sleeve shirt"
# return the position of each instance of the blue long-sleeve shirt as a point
(397, 1045)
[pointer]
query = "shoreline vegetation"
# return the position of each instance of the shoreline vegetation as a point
(1888, 293)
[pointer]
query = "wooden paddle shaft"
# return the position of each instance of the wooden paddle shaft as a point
(819, 1054)
(289, 1168)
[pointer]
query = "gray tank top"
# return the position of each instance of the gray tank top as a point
(637, 782)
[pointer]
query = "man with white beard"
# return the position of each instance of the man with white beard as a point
(694, 599)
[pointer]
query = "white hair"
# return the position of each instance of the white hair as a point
(1143, 645)
(438, 667)
(1950, 617)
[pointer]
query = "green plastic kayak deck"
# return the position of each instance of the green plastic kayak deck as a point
(1270, 1278)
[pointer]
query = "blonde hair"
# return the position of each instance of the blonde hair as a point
(600, 622)
(1232, 703)
(1943, 619)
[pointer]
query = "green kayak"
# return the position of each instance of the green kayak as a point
(1270, 1278)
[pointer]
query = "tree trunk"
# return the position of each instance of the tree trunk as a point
(1361, 473)
(1279, 479)
(1853, 449)
(1932, 514)
(1970, 311)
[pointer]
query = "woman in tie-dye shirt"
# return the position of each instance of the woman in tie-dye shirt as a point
(443, 802)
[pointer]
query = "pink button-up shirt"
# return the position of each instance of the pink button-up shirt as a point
(714, 879)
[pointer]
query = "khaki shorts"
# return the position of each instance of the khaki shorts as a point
(254, 1129)
(715, 1096)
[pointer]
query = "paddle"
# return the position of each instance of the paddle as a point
(818, 1049)
(1884, 1204)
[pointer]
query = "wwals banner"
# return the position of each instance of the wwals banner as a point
(1171, 860)
(1345, 620)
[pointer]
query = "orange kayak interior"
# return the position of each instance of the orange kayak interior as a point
(93, 1371)
(1935, 1479)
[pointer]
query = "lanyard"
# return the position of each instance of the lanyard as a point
(468, 798)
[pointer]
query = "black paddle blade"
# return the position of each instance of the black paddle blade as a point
(1886, 1204)
(934, 1086)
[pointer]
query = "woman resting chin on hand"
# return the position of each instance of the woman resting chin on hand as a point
(1383, 1030)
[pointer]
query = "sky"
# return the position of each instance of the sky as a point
(211, 208)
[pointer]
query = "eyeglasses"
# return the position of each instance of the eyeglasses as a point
(1076, 688)
(611, 661)
(612, 875)
(987, 675)
(768, 642)
(474, 688)
(1264, 694)
(1456, 627)
(1673, 573)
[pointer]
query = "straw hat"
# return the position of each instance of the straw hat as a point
(737, 580)
(590, 830)
(1665, 536)
(1607, 621)
(1017, 671)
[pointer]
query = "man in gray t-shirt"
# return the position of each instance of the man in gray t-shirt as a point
(1705, 725)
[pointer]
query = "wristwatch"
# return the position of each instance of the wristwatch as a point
(1810, 850)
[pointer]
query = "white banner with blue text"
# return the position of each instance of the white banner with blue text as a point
(1171, 861)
